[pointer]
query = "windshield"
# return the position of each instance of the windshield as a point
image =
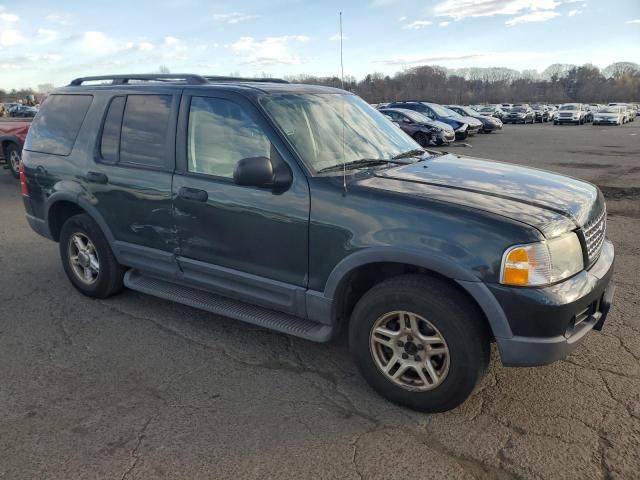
(314, 125)
(518, 109)
(452, 113)
(441, 111)
(488, 109)
(610, 110)
(568, 107)
(417, 116)
(469, 111)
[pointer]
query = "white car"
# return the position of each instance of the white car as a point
(628, 110)
(570, 113)
(609, 116)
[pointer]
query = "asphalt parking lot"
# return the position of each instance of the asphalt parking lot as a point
(136, 387)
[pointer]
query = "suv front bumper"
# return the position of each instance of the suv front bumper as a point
(548, 323)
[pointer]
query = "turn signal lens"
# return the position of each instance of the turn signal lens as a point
(516, 267)
(527, 265)
(542, 263)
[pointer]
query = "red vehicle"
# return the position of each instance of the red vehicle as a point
(13, 132)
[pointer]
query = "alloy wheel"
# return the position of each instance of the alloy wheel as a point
(84, 258)
(409, 351)
(14, 160)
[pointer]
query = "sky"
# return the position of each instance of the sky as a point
(45, 42)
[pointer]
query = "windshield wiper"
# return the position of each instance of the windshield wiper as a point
(363, 162)
(416, 152)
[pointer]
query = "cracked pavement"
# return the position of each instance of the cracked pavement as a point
(136, 387)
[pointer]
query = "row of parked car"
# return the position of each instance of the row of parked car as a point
(433, 124)
(577, 113)
(612, 114)
(17, 110)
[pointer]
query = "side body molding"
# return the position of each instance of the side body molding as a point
(426, 259)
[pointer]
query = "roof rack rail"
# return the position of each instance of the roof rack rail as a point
(218, 78)
(188, 78)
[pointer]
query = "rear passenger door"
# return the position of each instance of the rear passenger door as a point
(245, 242)
(130, 179)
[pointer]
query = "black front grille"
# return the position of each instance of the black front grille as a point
(594, 234)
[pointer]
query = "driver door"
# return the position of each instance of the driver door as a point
(244, 242)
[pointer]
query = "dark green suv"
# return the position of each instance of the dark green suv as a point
(302, 209)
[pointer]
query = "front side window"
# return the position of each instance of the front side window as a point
(220, 134)
(329, 129)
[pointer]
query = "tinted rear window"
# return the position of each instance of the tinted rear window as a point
(58, 123)
(145, 130)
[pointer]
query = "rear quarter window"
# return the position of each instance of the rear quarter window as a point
(56, 126)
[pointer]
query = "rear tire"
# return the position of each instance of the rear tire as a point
(440, 347)
(87, 258)
(13, 158)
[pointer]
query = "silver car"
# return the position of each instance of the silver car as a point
(609, 116)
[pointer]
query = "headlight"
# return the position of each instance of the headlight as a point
(542, 263)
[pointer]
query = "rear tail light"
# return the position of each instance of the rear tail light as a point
(23, 180)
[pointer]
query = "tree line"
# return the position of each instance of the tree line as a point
(557, 84)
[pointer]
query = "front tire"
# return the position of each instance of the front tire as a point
(13, 159)
(87, 258)
(422, 139)
(419, 342)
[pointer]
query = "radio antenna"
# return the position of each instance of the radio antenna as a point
(341, 62)
(344, 161)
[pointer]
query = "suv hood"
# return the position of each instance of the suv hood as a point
(552, 203)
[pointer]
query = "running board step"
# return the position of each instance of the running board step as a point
(227, 307)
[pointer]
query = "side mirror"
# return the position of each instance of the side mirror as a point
(260, 172)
